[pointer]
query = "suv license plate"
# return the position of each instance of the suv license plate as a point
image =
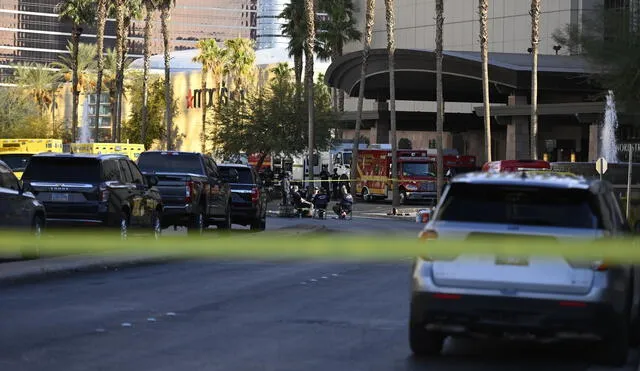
(512, 260)
(60, 197)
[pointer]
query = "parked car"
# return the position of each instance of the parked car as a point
(194, 193)
(19, 209)
(248, 195)
(548, 297)
(94, 190)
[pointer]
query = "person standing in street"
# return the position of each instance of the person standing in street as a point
(324, 177)
(335, 183)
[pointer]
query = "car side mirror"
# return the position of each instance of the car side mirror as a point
(152, 180)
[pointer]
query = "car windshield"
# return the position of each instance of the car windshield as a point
(418, 169)
(63, 169)
(243, 173)
(522, 205)
(16, 161)
(167, 162)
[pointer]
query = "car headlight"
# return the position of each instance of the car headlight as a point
(411, 187)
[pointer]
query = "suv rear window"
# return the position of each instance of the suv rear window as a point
(63, 169)
(161, 162)
(244, 174)
(16, 161)
(522, 205)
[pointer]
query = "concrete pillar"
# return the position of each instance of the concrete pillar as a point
(383, 124)
(594, 141)
(518, 134)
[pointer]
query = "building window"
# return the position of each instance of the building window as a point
(105, 110)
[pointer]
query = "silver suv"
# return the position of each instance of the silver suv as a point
(536, 296)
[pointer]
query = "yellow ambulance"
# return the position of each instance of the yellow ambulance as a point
(129, 149)
(17, 152)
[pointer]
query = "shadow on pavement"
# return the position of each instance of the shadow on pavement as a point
(472, 354)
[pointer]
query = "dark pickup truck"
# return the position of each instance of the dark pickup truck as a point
(194, 194)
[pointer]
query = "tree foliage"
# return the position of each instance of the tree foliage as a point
(610, 41)
(156, 130)
(20, 118)
(270, 119)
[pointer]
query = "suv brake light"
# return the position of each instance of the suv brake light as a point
(428, 234)
(188, 192)
(255, 194)
(103, 194)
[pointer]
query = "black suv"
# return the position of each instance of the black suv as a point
(248, 195)
(19, 209)
(98, 190)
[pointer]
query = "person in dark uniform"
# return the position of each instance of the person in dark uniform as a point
(324, 177)
(335, 183)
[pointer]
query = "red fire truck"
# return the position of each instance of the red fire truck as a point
(416, 175)
(254, 158)
(515, 165)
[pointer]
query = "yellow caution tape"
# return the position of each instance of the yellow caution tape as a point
(314, 246)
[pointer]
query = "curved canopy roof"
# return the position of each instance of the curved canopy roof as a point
(462, 75)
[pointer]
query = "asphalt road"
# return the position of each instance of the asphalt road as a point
(243, 315)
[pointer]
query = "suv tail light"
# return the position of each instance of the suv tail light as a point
(188, 192)
(103, 194)
(430, 235)
(255, 194)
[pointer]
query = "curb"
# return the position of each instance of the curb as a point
(30, 271)
(45, 268)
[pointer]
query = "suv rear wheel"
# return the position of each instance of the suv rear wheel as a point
(615, 347)
(226, 224)
(37, 227)
(259, 224)
(424, 342)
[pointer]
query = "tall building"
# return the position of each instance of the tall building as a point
(31, 31)
(269, 33)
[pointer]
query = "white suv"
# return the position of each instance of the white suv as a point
(536, 296)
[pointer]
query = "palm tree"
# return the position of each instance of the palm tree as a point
(439, 97)
(40, 82)
(111, 82)
(240, 62)
(535, 37)
(310, 16)
(85, 62)
(78, 13)
(165, 15)
(295, 29)
(211, 57)
(150, 7)
(338, 30)
(101, 20)
(368, 35)
(483, 7)
(391, 48)
(132, 10)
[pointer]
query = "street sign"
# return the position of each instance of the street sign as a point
(601, 165)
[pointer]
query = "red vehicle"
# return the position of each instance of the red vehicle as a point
(254, 158)
(458, 164)
(515, 165)
(416, 178)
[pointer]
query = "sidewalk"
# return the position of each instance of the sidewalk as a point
(34, 270)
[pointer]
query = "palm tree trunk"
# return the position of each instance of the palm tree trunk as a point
(439, 98)
(308, 54)
(75, 40)
(203, 102)
(145, 73)
(484, 46)
(101, 15)
(368, 34)
(340, 91)
(120, 9)
(391, 48)
(297, 70)
(164, 17)
(535, 37)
